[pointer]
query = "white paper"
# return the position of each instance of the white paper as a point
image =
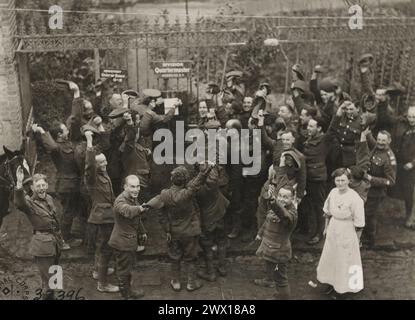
(169, 104)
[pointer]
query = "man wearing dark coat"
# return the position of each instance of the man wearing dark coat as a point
(180, 219)
(124, 240)
(275, 237)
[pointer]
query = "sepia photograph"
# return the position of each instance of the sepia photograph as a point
(217, 152)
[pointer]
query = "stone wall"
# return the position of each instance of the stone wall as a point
(10, 104)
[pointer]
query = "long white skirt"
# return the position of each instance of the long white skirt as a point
(340, 263)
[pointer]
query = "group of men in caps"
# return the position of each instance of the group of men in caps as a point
(103, 160)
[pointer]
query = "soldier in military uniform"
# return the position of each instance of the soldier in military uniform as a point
(150, 118)
(275, 234)
(128, 213)
(346, 128)
(301, 95)
(403, 145)
(47, 239)
(307, 113)
(99, 186)
(134, 157)
(57, 143)
(212, 205)
(381, 175)
(180, 219)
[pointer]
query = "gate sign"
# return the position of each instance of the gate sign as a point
(177, 69)
(115, 74)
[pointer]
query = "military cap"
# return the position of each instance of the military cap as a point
(131, 93)
(293, 155)
(366, 56)
(153, 93)
(395, 88)
(89, 127)
(327, 85)
(212, 84)
(234, 74)
(267, 85)
(118, 112)
(300, 84)
(299, 70)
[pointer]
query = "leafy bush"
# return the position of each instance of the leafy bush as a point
(51, 101)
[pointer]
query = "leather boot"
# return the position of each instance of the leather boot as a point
(175, 271)
(268, 281)
(222, 260)
(192, 283)
(283, 293)
(126, 292)
(208, 273)
(236, 226)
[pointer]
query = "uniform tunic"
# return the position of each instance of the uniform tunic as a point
(341, 253)
(276, 232)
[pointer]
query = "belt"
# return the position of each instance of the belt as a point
(343, 219)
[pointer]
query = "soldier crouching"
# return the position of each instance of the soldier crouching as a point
(275, 234)
(47, 239)
(123, 239)
(180, 219)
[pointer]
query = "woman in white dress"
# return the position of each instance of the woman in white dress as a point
(340, 265)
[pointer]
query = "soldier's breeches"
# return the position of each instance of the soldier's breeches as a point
(103, 250)
(71, 208)
(43, 264)
(372, 208)
(124, 261)
(279, 273)
(316, 195)
(185, 248)
(217, 236)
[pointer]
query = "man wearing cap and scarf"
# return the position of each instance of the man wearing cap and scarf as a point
(282, 175)
(285, 142)
(99, 186)
(150, 118)
(180, 219)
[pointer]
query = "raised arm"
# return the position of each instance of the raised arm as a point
(19, 197)
(90, 163)
(126, 210)
(48, 142)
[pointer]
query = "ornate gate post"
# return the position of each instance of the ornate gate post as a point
(10, 102)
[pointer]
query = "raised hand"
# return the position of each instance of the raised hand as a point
(19, 175)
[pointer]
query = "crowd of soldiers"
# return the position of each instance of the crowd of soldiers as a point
(103, 159)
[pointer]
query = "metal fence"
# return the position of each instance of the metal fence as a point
(220, 43)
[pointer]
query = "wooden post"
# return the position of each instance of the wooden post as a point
(96, 65)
